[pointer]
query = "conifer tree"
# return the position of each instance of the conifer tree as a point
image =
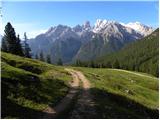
(116, 64)
(92, 64)
(48, 59)
(36, 56)
(19, 50)
(108, 64)
(10, 38)
(10, 42)
(26, 47)
(41, 57)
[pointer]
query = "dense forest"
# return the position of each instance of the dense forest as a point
(141, 56)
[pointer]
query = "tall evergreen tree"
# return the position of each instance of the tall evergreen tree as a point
(59, 62)
(92, 64)
(19, 50)
(108, 64)
(36, 56)
(26, 48)
(116, 64)
(48, 59)
(10, 42)
(41, 57)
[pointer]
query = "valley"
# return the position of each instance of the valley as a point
(79, 59)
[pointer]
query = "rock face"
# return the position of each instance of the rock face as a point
(110, 36)
(142, 29)
(61, 41)
(85, 42)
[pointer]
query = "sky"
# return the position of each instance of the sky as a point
(35, 17)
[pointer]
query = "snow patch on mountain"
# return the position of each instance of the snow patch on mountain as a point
(110, 26)
(141, 28)
(101, 25)
(115, 30)
(74, 42)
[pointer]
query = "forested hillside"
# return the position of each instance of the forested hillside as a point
(141, 55)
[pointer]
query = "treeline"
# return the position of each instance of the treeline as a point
(47, 58)
(95, 64)
(141, 56)
(12, 44)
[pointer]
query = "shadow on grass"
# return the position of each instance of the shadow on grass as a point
(31, 92)
(107, 106)
(112, 106)
(10, 109)
(115, 106)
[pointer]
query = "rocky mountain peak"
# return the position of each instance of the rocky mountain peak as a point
(141, 28)
(74, 42)
(101, 25)
(86, 25)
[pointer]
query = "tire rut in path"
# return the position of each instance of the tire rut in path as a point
(85, 105)
(53, 112)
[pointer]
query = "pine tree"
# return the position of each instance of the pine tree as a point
(59, 62)
(116, 64)
(26, 48)
(48, 59)
(92, 64)
(102, 65)
(10, 38)
(36, 56)
(19, 50)
(11, 43)
(41, 57)
(108, 64)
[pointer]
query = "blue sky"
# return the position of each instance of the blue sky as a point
(36, 17)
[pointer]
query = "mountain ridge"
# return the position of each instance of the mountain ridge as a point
(112, 32)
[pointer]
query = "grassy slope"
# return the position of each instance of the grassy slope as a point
(29, 86)
(120, 94)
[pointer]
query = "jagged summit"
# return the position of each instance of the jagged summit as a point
(86, 25)
(102, 25)
(80, 42)
(141, 28)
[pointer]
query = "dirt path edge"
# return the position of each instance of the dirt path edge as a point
(50, 113)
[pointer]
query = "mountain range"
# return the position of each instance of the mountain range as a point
(86, 42)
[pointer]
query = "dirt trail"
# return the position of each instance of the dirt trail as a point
(84, 106)
(66, 101)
